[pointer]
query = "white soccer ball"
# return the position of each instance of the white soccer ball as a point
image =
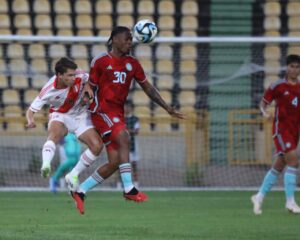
(145, 31)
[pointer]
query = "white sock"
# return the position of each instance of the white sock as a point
(48, 152)
(260, 196)
(290, 200)
(86, 159)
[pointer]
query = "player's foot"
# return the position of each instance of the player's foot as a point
(79, 200)
(72, 182)
(292, 207)
(256, 205)
(45, 170)
(52, 185)
(135, 195)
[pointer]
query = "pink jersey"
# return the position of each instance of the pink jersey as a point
(63, 100)
(113, 77)
(287, 109)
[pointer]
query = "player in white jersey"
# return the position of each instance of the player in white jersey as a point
(68, 113)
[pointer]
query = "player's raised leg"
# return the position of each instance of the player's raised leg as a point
(48, 154)
(56, 131)
(103, 172)
(86, 159)
(95, 145)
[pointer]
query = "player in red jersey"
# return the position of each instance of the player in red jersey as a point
(111, 76)
(286, 127)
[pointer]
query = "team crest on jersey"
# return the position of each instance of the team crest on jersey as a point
(288, 144)
(128, 66)
(115, 119)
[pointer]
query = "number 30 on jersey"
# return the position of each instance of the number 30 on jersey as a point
(120, 77)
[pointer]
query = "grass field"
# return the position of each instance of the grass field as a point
(167, 215)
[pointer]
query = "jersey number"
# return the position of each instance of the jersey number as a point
(120, 77)
(295, 102)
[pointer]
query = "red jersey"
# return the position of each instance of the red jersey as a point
(112, 78)
(287, 109)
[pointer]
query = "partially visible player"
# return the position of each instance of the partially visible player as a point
(111, 76)
(69, 154)
(286, 128)
(68, 113)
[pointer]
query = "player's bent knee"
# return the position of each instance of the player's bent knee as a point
(115, 162)
(114, 166)
(96, 150)
(123, 140)
(96, 147)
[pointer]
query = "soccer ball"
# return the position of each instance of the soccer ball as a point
(145, 31)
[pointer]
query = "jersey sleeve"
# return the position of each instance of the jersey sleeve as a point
(83, 75)
(139, 74)
(39, 102)
(269, 95)
(94, 73)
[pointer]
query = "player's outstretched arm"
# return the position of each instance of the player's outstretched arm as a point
(30, 119)
(153, 93)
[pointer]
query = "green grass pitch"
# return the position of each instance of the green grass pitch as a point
(172, 215)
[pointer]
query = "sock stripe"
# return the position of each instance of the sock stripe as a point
(97, 177)
(291, 170)
(125, 165)
(86, 160)
(125, 172)
(125, 169)
(275, 172)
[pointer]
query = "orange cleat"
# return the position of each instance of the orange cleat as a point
(79, 200)
(139, 197)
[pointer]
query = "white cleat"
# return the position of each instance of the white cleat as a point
(45, 170)
(292, 207)
(72, 182)
(256, 205)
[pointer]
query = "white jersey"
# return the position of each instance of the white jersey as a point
(62, 100)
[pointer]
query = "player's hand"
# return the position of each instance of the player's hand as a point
(30, 124)
(85, 99)
(88, 91)
(176, 113)
(269, 116)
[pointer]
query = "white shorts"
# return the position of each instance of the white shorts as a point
(76, 124)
